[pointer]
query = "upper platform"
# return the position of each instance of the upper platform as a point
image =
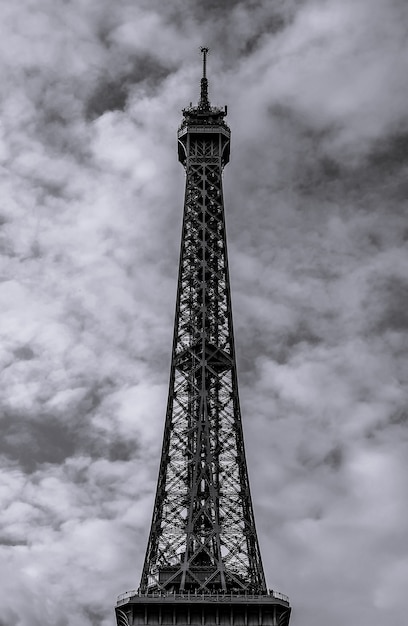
(211, 119)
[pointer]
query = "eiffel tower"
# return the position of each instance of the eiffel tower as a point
(203, 565)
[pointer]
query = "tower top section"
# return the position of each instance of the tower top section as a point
(204, 114)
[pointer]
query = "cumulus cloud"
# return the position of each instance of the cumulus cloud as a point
(90, 222)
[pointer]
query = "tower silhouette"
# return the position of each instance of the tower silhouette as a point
(203, 563)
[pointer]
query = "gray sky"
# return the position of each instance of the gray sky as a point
(90, 215)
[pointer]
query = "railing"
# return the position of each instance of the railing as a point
(201, 128)
(187, 595)
(279, 596)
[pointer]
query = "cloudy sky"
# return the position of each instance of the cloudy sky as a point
(90, 219)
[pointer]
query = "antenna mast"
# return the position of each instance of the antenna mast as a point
(204, 102)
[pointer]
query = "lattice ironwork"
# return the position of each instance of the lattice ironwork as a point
(203, 533)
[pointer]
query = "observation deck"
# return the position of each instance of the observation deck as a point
(271, 597)
(202, 609)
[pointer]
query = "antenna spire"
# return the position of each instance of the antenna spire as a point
(204, 101)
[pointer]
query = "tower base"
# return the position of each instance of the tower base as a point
(217, 609)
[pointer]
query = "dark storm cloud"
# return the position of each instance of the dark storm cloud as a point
(32, 444)
(388, 298)
(107, 97)
(112, 95)
(392, 154)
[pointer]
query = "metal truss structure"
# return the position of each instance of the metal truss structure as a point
(203, 538)
(203, 531)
